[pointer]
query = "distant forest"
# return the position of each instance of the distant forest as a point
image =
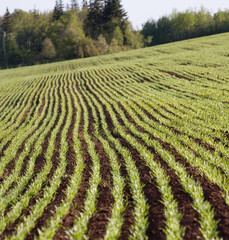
(184, 25)
(94, 28)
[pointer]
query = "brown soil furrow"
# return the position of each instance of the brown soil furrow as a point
(4, 148)
(71, 162)
(128, 213)
(133, 71)
(43, 103)
(175, 75)
(151, 117)
(202, 76)
(159, 113)
(39, 160)
(168, 111)
(30, 106)
(211, 192)
(184, 112)
(150, 190)
(97, 224)
(78, 201)
(179, 90)
(14, 104)
(10, 166)
(25, 212)
(197, 140)
(42, 85)
(183, 199)
(156, 218)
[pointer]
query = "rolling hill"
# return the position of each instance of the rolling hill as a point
(133, 145)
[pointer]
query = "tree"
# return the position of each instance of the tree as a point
(102, 45)
(7, 22)
(67, 36)
(149, 32)
(48, 49)
(83, 14)
(29, 33)
(94, 22)
(89, 48)
(114, 46)
(134, 39)
(6, 29)
(163, 30)
(114, 16)
(58, 10)
(118, 36)
(74, 4)
(204, 23)
(114, 9)
(183, 25)
(84, 3)
(221, 21)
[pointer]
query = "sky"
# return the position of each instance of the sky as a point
(139, 11)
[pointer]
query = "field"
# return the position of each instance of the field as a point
(133, 145)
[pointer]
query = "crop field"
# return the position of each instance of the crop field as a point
(133, 145)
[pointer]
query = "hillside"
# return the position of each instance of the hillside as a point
(132, 145)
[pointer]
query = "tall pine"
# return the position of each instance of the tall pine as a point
(84, 4)
(94, 22)
(6, 29)
(74, 4)
(114, 10)
(58, 10)
(114, 16)
(7, 22)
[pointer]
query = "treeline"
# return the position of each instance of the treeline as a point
(185, 25)
(67, 32)
(96, 27)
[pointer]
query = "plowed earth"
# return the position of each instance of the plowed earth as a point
(167, 102)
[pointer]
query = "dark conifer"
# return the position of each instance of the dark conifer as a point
(6, 29)
(114, 16)
(58, 10)
(74, 4)
(94, 22)
(85, 4)
(7, 23)
(114, 10)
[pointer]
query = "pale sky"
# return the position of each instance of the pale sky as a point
(139, 11)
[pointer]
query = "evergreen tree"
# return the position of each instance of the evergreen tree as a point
(58, 10)
(85, 3)
(7, 22)
(6, 29)
(94, 22)
(114, 16)
(74, 4)
(114, 10)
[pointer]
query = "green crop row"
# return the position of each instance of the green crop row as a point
(164, 109)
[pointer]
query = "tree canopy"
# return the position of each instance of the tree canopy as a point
(67, 32)
(97, 27)
(183, 25)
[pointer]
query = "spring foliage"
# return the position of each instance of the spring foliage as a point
(65, 33)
